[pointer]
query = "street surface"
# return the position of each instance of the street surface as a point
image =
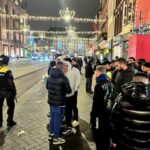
(31, 132)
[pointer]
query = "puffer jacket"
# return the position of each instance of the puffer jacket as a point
(58, 86)
(130, 117)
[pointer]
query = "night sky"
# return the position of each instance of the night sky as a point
(83, 8)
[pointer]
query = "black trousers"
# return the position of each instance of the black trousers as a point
(10, 103)
(102, 139)
(68, 112)
(74, 106)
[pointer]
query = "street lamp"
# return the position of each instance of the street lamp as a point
(67, 14)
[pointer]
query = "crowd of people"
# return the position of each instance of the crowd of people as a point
(120, 114)
(63, 84)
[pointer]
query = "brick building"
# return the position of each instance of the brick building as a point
(12, 43)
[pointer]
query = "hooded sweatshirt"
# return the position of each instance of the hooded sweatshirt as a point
(70, 75)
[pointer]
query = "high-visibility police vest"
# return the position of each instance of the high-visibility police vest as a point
(4, 77)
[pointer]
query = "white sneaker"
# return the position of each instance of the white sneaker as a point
(67, 131)
(75, 123)
(50, 137)
(59, 141)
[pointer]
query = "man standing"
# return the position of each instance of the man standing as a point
(107, 65)
(77, 79)
(100, 109)
(69, 97)
(58, 86)
(124, 75)
(7, 90)
(132, 64)
(147, 68)
(88, 75)
(130, 118)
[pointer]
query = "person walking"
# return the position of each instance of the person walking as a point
(7, 90)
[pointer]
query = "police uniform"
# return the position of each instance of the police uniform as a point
(8, 91)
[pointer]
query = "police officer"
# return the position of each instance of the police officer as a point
(7, 90)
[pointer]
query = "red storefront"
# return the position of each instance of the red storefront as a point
(142, 12)
(139, 45)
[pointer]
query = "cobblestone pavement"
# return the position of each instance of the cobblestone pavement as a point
(31, 132)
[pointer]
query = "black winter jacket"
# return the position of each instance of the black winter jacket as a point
(88, 71)
(100, 108)
(122, 77)
(130, 118)
(58, 86)
(7, 81)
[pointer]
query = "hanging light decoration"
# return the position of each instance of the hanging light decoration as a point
(55, 32)
(64, 15)
(67, 14)
(71, 31)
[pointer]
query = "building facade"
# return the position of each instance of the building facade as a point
(12, 43)
(127, 26)
(139, 46)
(103, 28)
(124, 23)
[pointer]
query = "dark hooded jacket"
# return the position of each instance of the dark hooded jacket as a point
(130, 118)
(58, 86)
(102, 95)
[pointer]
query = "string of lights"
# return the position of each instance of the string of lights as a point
(54, 32)
(62, 38)
(47, 18)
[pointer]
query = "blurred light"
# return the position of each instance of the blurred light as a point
(67, 14)
(53, 50)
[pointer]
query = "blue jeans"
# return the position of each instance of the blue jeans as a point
(57, 114)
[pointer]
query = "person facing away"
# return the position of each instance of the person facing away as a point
(100, 109)
(88, 75)
(130, 117)
(51, 65)
(58, 86)
(7, 90)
